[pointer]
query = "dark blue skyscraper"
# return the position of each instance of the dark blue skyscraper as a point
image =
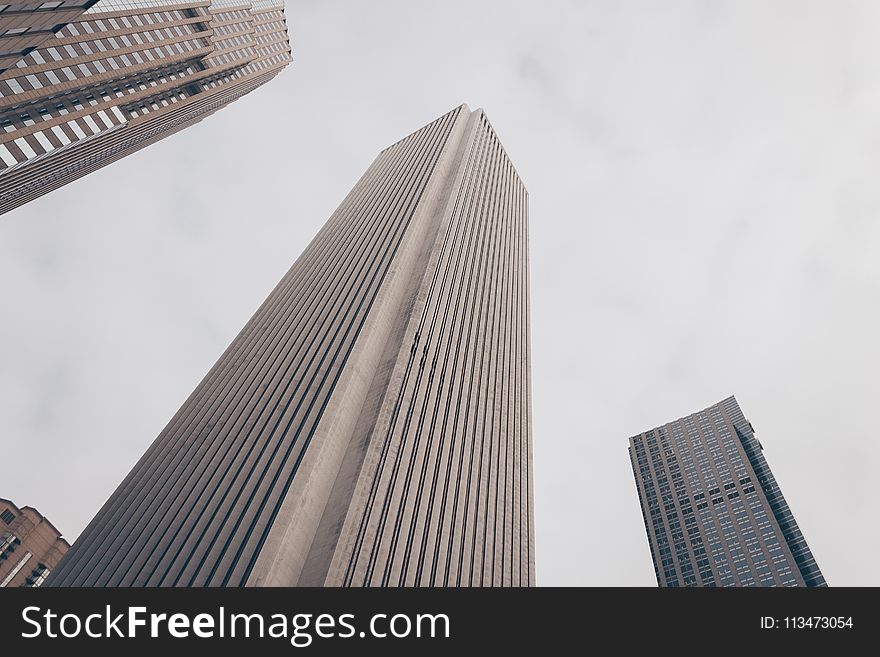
(714, 514)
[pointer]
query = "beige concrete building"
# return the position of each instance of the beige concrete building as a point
(112, 77)
(30, 545)
(371, 424)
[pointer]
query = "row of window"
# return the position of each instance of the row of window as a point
(42, 142)
(35, 81)
(104, 25)
(54, 4)
(18, 31)
(8, 543)
(39, 142)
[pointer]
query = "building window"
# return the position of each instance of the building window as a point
(7, 516)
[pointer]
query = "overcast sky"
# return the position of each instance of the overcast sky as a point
(704, 222)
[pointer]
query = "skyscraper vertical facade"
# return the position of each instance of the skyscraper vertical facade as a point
(112, 77)
(371, 424)
(713, 511)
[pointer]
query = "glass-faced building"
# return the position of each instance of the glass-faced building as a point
(83, 84)
(713, 511)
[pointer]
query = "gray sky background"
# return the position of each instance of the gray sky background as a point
(704, 222)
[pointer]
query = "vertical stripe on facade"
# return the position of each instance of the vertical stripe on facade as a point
(447, 500)
(441, 494)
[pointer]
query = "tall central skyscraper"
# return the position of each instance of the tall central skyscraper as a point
(371, 424)
(714, 514)
(88, 83)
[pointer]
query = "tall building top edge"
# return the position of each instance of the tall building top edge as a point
(106, 6)
(481, 112)
(458, 108)
(731, 399)
(464, 109)
(51, 524)
(36, 512)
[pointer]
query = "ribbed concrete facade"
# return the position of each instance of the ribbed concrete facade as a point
(713, 511)
(125, 74)
(371, 423)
